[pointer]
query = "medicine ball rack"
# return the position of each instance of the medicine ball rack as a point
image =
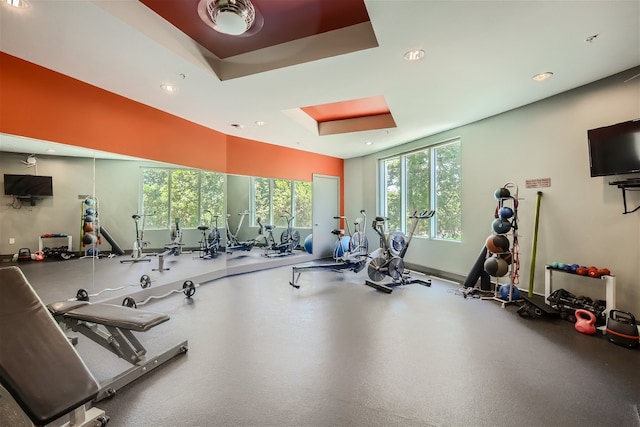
(90, 228)
(505, 224)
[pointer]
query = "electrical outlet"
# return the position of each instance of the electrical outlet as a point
(12, 241)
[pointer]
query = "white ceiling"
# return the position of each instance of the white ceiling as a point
(480, 57)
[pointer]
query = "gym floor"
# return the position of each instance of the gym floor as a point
(338, 353)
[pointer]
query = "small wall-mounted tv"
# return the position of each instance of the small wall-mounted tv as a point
(28, 185)
(615, 149)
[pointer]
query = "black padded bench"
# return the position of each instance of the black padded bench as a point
(112, 327)
(40, 371)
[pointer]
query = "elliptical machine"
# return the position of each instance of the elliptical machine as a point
(390, 261)
(289, 239)
(209, 243)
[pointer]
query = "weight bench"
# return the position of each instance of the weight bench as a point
(41, 374)
(112, 327)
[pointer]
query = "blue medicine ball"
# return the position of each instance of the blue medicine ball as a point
(505, 212)
(90, 211)
(308, 243)
(501, 226)
(504, 292)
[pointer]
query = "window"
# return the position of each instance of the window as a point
(276, 200)
(424, 179)
(182, 194)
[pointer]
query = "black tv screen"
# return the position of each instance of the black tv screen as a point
(28, 185)
(615, 149)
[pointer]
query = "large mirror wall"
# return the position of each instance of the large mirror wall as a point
(117, 183)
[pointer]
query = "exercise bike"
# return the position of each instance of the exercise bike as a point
(139, 243)
(209, 243)
(173, 248)
(233, 244)
(289, 239)
(390, 260)
(354, 257)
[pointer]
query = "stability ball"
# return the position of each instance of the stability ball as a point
(308, 243)
(496, 267)
(342, 246)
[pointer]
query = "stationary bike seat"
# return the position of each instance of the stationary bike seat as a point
(336, 231)
(203, 227)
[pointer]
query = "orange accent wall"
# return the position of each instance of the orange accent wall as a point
(39, 103)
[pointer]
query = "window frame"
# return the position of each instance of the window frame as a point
(402, 183)
(272, 218)
(171, 171)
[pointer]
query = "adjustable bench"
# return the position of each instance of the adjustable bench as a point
(41, 374)
(112, 327)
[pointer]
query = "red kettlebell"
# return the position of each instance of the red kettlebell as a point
(585, 322)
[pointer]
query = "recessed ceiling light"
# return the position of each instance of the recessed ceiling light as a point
(19, 4)
(260, 123)
(169, 88)
(542, 76)
(50, 150)
(368, 143)
(414, 55)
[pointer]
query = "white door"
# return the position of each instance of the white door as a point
(326, 205)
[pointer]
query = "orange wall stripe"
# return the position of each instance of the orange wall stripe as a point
(38, 103)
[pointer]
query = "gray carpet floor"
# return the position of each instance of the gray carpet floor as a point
(338, 353)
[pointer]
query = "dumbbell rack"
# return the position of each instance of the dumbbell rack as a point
(610, 286)
(512, 235)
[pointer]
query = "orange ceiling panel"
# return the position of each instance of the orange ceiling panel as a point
(277, 22)
(363, 107)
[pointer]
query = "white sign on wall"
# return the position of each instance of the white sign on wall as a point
(538, 183)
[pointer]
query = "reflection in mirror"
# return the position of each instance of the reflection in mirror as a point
(125, 186)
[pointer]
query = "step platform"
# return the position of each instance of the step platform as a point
(535, 306)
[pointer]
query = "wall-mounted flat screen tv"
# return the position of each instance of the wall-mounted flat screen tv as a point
(615, 149)
(28, 185)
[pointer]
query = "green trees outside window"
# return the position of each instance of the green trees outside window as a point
(424, 179)
(183, 194)
(276, 199)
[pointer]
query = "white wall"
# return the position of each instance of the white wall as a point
(581, 218)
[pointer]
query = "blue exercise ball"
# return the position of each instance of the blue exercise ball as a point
(308, 243)
(341, 247)
(505, 289)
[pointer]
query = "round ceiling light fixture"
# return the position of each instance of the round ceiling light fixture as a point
(232, 17)
(542, 76)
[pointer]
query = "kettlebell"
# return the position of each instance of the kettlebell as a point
(585, 322)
